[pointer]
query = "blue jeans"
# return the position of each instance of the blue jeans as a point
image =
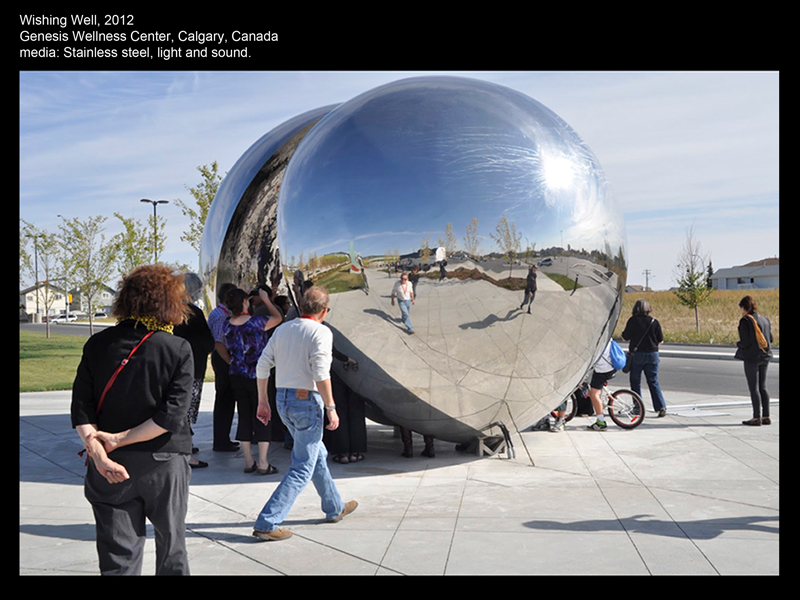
(647, 362)
(405, 308)
(304, 419)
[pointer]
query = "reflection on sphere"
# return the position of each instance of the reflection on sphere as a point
(468, 184)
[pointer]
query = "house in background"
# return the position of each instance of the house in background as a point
(47, 294)
(761, 274)
(102, 301)
(637, 289)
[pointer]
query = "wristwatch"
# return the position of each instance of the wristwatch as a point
(331, 407)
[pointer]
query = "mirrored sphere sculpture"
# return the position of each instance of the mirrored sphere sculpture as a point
(462, 185)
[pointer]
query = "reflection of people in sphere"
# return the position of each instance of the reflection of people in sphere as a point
(530, 289)
(404, 293)
(132, 421)
(414, 279)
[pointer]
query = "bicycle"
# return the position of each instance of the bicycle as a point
(625, 407)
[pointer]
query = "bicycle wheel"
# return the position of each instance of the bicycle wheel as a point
(626, 409)
(569, 411)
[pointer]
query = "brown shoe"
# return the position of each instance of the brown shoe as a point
(765, 421)
(754, 422)
(275, 535)
(348, 508)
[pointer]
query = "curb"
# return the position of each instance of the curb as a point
(705, 352)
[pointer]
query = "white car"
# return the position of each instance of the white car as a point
(63, 318)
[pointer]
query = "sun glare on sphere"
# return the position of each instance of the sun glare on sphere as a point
(558, 172)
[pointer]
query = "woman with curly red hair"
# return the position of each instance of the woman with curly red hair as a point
(130, 400)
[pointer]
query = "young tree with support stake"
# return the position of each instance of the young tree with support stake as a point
(693, 287)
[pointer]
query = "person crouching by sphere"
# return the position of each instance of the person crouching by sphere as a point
(136, 432)
(754, 348)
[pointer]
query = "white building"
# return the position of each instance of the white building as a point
(762, 274)
(38, 299)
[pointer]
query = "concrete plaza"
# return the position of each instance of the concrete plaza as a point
(693, 493)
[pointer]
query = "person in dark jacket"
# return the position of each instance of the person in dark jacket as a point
(644, 335)
(755, 349)
(132, 422)
(195, 330)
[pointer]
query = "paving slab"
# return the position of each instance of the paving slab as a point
(693, 493)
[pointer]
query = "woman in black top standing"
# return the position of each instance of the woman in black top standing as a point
(133, 423)
(644, 335)
(754, 348)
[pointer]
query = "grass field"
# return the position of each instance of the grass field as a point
(719, 316)
(48, 364)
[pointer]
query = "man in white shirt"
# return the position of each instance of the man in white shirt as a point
(404, 292)
(301, 352)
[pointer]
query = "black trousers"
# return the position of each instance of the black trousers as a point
(224, 402)
(158, 490)
(756, 375)
(351, 435)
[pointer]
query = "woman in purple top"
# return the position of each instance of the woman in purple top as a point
(245, 338)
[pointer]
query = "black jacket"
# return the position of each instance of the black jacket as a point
(156, 382)
(640, 337)
(748, 344)
(196, 331)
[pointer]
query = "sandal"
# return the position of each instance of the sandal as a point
(341, 459)
(251, 469)
(270, 470)
(356, 457)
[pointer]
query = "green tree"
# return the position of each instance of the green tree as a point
(44, 268)
(508, 240)
(693, 288)
(133, 244)
(203, 194)
(94, 259)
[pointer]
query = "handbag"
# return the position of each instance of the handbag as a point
(629, 354)
(763, 345)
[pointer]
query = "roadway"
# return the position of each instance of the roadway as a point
(684, 367)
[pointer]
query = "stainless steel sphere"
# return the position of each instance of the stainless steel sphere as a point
(463, 185)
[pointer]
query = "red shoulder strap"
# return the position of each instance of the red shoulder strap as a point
(119, 368)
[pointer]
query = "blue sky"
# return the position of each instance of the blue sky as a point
(680, 149)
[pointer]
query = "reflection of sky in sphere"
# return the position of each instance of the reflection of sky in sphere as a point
(397, 164)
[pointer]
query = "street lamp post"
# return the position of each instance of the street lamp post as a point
(66, 280)
(155, 225)
(36, 268)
